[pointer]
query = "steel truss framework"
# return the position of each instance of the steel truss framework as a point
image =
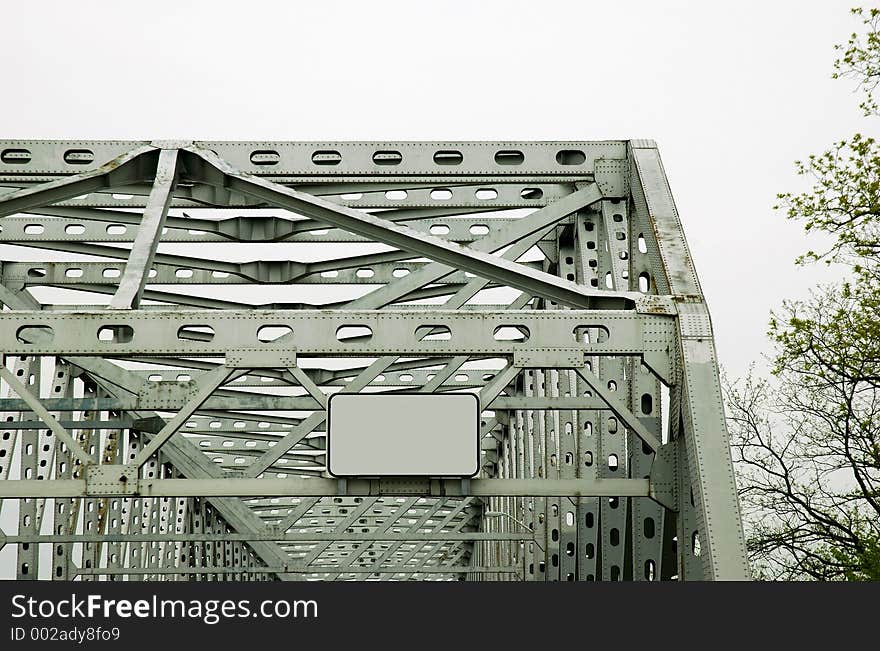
(177, 313)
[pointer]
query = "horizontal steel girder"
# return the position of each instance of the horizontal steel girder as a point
(249, 401)
(293, 568)
(334, 161)
(378, 536)
(316, 332)
(231, 486)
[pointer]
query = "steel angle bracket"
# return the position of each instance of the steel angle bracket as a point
(105, 480)
(166, 394)
(261, 358)
(663, 477)
(661, 364)
(660, 304)
(611, 175)
(548, 358)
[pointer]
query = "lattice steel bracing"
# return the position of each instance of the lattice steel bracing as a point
(177, 313)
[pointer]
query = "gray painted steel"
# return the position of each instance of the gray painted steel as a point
(177, 315)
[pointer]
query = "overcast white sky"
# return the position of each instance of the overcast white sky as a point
(732, 92)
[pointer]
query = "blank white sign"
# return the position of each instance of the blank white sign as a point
(403, 434)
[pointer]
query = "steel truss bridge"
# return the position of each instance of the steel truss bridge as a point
(177, 313)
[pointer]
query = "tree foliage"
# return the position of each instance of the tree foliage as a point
(807, 442)
(861, 58)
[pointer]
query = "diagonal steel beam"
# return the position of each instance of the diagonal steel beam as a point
(297, 513)
(308, 384)
(309, 425)
(44, 415)
(219, 173)
(446, 522)
(128, 168)
(352, 517)
(208, 383)
(355, 554)
(620, 409)
(134, 276)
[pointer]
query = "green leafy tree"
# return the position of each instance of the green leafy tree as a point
(807, 441)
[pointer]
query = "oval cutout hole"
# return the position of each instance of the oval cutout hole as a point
(74, 229)
(509, 157)
(647, 403)
(531, 194)
(326, 157)
(433, 333)
(614, 537)
(354, 333)
(516, 333)
(570, 157)
(448, 157)
(269, 333)
(649, 527)
(439, 229)
(441, 194)
(116, 334)
(479, 229)
(387, 157)
(265, 157)
(590, 334)
(79, 156)
(34, 333)
(395, 195)
(15, 156)
(195, 333)
(486, 194)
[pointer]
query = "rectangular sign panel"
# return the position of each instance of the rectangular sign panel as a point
(420, 434)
